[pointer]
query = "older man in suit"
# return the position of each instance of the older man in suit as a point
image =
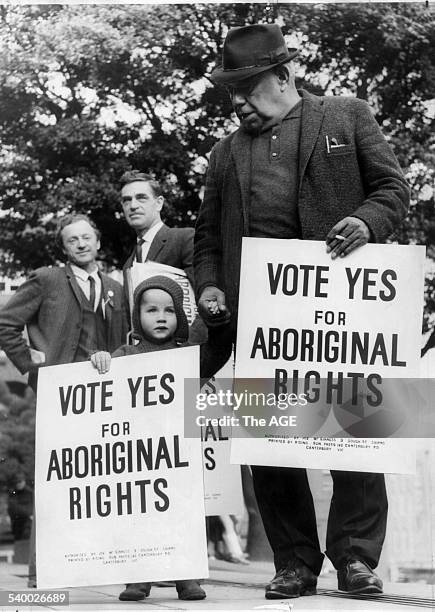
(316, 168)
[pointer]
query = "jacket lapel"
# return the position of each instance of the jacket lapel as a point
(73, 284)
(158, 243)
(241, 154)
(312, 117)
(130, 259)
(106, 300)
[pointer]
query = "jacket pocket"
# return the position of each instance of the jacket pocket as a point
(340, 151)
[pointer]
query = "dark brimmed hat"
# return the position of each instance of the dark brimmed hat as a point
(250, 50)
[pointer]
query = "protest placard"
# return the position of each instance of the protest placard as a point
(222, 480)
(319, 325)
(119, 491)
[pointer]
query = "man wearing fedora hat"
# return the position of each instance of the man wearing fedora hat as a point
(314, 168)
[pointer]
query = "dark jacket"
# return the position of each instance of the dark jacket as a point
(362, 179)
(172, 246)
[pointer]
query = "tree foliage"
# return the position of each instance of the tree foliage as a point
(17, 436)
(89, 91)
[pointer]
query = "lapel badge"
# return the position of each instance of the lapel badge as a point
(109, 297)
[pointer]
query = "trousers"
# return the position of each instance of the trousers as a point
(356, 523)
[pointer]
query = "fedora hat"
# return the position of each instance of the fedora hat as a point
(250, 50)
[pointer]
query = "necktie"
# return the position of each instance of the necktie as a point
(139, 250)
(92, 291)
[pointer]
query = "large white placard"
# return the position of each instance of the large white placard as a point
(222, 480)
(301, 295)
(119, 491)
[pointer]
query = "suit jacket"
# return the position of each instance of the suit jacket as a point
(362, 179)
(49, 305)
(172, 246)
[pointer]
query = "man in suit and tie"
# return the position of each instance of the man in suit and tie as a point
(142, 202)
(313, 168)
(70, 312)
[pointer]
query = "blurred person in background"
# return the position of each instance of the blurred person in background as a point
(20, 508)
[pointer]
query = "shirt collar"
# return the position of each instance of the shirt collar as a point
(82, 274)
(294, 112)
(149, 235)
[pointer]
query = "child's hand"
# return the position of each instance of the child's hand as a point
(101, 360)
(213, 307)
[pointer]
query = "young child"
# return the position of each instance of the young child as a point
(159, 323)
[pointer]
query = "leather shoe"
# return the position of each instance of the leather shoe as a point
(357, 577)
(135, 591)
(294, 580)
(189, 590)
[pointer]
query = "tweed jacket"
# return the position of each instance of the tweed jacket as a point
(49, 305)
(172, 246)
(361, 178)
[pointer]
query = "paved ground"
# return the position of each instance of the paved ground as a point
(230, 587)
